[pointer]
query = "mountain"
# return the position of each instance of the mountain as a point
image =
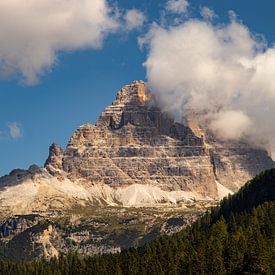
(238, 237)
(137, 173)
(135, 155)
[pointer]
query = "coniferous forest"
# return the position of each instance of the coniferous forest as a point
(238, 237)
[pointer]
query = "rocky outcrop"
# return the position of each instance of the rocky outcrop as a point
(92, 231)
(16, 225)
(54, 160)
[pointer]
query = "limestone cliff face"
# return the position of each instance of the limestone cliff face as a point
(134, 142)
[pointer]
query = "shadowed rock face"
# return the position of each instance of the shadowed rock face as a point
(134, 142)
(54, 161)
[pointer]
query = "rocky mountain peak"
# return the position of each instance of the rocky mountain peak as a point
(131, 106)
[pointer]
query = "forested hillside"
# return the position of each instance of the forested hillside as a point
(237, 237)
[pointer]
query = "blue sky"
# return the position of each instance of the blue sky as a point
(78, 87)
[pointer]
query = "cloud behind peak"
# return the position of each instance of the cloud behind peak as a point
(222, 70)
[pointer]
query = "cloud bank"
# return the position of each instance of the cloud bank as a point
(221, 71)
(33, 32)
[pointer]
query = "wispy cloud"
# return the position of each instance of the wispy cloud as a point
(207, 13)
(177, 6)
(134, 19)
(15, 130)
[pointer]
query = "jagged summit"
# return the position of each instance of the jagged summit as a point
(136, 93)
(132, 103)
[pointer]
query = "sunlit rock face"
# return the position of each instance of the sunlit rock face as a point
(135, 142)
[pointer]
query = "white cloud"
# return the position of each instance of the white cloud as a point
(207, 13)
(15, 130)
(219, 70)
(134, 19)
(33, 32)
(177, 6)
